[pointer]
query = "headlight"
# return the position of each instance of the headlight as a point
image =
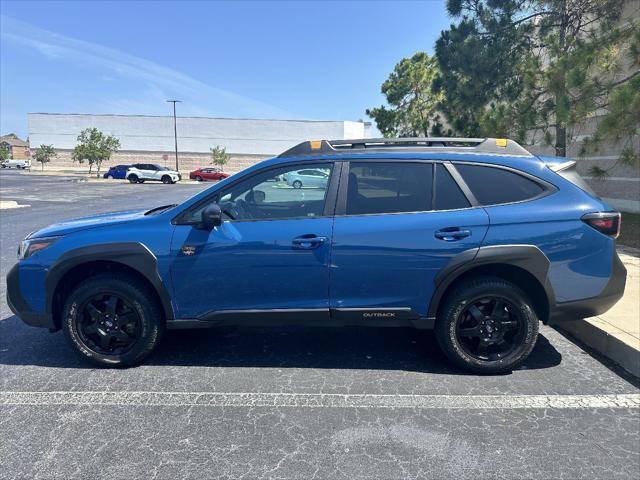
(33, 245)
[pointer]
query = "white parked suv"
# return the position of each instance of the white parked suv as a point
(142, 172)
(22, 164)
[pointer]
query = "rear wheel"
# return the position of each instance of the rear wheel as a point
(487, 325)
(133, 178)
(112, 320)
(297, 184)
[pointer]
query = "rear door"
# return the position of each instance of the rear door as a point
(397, 224)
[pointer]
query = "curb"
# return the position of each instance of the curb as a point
(604, 343)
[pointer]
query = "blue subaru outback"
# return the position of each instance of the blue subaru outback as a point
(475, 238)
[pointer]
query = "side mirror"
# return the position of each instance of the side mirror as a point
(212, 216)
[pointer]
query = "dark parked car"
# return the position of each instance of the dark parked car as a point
(475, 238)
(119, 172)
(212, 173)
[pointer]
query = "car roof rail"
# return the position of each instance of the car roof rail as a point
(490, 146)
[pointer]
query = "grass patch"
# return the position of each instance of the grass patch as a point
(630, 233)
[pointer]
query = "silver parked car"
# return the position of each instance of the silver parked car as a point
(310, 177)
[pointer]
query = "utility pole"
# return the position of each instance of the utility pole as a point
(175, 129)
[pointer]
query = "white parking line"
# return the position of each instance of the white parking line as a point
(321, 400)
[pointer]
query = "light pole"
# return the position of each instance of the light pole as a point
(175, 129)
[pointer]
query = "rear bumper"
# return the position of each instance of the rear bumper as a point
(20, 307)
(590, 307)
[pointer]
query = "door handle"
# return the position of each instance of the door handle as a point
(451, 234)
(307, 242)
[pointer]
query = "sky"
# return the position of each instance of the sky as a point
(321, 60)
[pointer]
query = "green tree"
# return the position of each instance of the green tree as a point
(621, 124)
(531, 69)
(412, 110)
(44, 154)
(94, 147)
(219, 156)
(4, 154)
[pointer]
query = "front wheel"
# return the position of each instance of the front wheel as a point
(133, 179)
(109, 177)
(198, 178)
(487, 325)
(166, 179)
(297, 184)
(112, 320)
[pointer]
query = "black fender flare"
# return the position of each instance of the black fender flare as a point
(132, 254)
(527, 257)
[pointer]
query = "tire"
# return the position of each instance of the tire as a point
(475, 339)
(198, 178)
(132, 178)
(166, 179)
(141, 181)
(297, 184)
(135, 301)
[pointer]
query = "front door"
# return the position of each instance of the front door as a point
(397, 225)
(270, 253)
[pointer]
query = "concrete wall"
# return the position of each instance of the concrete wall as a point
(139, 133)
(621, 188)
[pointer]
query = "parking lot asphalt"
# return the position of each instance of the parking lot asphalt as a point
(291, 402)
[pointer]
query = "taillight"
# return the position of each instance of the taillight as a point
(607, 223)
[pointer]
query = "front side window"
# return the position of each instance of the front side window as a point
(273, 195)
(493, 186)
(389, 187)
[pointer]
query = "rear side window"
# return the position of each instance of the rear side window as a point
(447, 194)
(389, 187)
(493, 186)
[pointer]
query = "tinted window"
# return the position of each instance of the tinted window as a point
(492, 186)
(389, 188)
(448, 195)
(269, 196)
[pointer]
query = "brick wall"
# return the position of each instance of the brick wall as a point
(188, 161)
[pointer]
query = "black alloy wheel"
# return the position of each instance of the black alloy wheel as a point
(108, 324)
(113, 319)
(490, 328)
(487, 325)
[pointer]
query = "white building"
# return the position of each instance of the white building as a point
(151, 138)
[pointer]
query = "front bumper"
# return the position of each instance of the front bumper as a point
(590, 307)
(20, 307)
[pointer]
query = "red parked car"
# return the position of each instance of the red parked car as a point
(210, 173)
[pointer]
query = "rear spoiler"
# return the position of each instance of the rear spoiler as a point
(558, 167)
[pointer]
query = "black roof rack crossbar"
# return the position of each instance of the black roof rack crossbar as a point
(491, 146)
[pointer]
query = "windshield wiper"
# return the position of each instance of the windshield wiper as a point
(160, 209)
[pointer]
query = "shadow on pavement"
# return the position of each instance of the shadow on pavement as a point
(277, 347)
